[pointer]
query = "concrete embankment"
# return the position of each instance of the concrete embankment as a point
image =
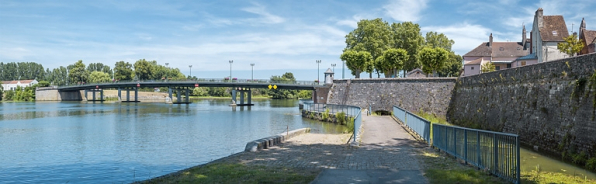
(267, 142)
(50, 94)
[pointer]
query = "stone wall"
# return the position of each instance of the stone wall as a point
(550, 105)
(431, 95)
(55, 95)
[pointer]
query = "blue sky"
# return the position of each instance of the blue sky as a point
(278, 36)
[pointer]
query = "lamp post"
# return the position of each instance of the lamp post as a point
(231, 61)
(318, 72)
(343, 64)
(333, 65)
(190, 71)
(167, 71)
(252, 72)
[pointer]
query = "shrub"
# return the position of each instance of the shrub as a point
(591, 164)
(350, 124)
(341, 117)
(580, 158)
(325, 115)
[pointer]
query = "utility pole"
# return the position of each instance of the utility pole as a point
(318, 72)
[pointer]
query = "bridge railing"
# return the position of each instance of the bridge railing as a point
(351, 111)
(207, 80)
(415, 123)
(496, 152)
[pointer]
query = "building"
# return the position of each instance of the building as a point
(547, 32)
(588, 37)
(12, 85)
(416, 73)
(500, 54)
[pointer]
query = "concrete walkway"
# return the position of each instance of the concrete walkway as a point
(388, 148)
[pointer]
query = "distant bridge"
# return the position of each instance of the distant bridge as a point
(243, 86)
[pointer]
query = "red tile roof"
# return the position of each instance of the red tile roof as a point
(499, 49)
(554, 28)
(482, 50)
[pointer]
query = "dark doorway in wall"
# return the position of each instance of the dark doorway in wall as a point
(382, 113)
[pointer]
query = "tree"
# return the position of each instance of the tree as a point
(98, 77)
(452, 67)
(1, 91)
(487, 67)
(77, 72)
(394, 60)
(434, 40)
(43, 84)
(406, 35)
(432, 59)
(200, 91)
(571, 46)
(352, 62)
(123, 71)
(143, 69)
(287, 77)
(373, 36)
(100, 67)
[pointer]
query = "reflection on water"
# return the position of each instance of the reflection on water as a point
(80, 142)
(530, 160)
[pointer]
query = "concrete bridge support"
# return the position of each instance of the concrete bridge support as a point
(179, 91)
(242, 92)
(128, 89)
(93, 91)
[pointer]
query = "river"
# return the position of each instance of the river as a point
(83, 142)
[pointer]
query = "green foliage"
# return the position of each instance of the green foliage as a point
(143, 69)
(218, 91)
(580, 158)
(98, 77)
(1, 91)
(571, 46)
(578, 90)
(591, 164)
(305, 94)
(487, 67)
(436, 40)
(100, 67)
(372, 36)
(452, 67)
(77, 72)
(341, 117)
(43, 84)
(393, 60)
(325, 115)
(406, 35)
(123, 71)
(350, 124)
(200, 91)
(432, 59)
(21, 94)
(288, 77)
(21, 70)
(9, 95)
(358, 61)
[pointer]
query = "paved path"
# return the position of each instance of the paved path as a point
(385, 155)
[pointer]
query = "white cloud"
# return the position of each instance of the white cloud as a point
(405, 10)
(266, 17)
(466, 36)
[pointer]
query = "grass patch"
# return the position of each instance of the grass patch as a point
(541, 177)
(433, 118)
(238, 173)
(439, 168)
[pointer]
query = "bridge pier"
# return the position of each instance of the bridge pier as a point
(179, 95)
(93, 94)
(128, 89)
(242, 92)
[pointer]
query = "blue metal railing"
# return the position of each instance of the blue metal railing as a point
(494, 151)
(351, 111)
(418, 125)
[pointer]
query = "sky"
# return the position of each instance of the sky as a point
(277, 36)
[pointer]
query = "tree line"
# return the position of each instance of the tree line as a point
(375, 46)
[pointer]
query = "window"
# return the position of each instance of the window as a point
(497, 67)
(472, 68)
(509, 65)
(554, 33)
(523, 63)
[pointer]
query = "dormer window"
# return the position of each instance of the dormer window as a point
(501, 49)
(554, 33)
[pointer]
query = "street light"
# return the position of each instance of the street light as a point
(318, 72)
(167, 71)
(252, 72)
(231, 61)
(343, 64)
(333, 65)
(190, 69)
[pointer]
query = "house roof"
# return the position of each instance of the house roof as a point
(482, 50)
(508, 49)
(329, 71)
(17, 81)
(475, 62)
(499, 49)
(554, 28)
(414, 71)
(590, 36)
(528, 57)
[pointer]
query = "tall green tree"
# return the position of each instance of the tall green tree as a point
(372, 36)
(98, 77)
(10, 71)
(143, 69)
(123, 71)
(452, 67)
(407, 36)
(571, 46)
(352, 62)
(434, 40)
(100, 67)
(1, 91)
(77, 73)
(394, 60)
(432, 59)
(287, 77)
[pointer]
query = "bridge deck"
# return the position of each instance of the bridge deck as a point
(299, 85)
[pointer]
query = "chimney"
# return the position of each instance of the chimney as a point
(490, 40)
(582, 26)
(524, 36)
(539, 18)
(531, 41)
(575, 35)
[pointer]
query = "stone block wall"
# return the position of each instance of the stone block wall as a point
(55, 95)
(431, 95)
(551, 105)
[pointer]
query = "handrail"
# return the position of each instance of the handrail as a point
(354, 111)
(496, 151)
(207, 80)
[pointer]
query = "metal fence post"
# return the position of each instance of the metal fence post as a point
(454, 142)
(495, 152)
(479, 160)
(518, 159)
(466, 146)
